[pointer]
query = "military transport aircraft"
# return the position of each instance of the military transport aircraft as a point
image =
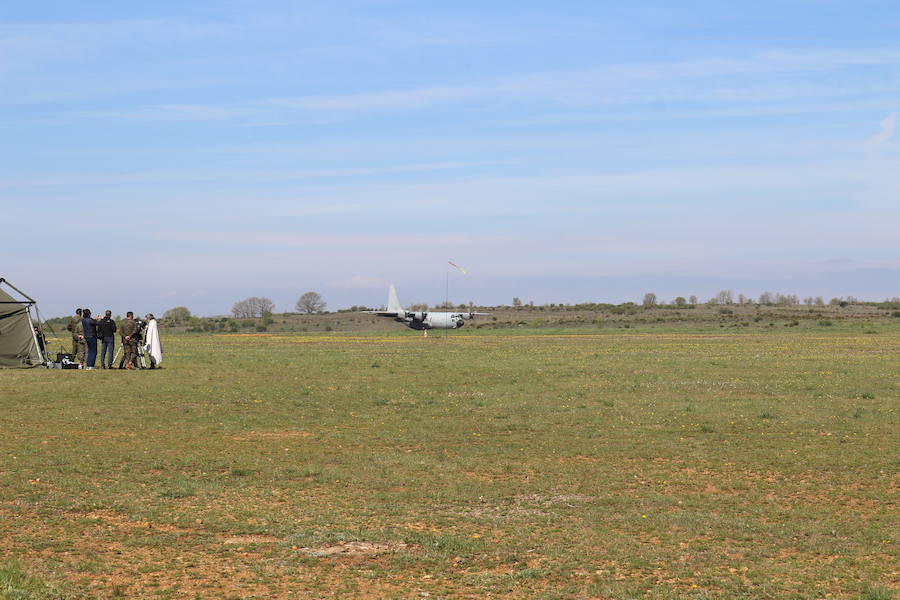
(423, 320)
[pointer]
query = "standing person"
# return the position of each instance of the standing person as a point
(128, 330)
(90, 336)
(107, 332)
(81, 346)
(75, 335)
(151, 341)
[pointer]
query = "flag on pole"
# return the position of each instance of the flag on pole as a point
(461, 270)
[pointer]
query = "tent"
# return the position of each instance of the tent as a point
(18, 342)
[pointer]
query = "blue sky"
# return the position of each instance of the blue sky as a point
(198, 153)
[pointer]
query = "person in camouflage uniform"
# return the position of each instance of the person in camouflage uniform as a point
(128, 329)
(81, 350)
(71, 328)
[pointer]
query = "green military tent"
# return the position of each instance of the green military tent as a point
(18, 341)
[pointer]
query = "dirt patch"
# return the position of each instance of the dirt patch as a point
(250, 539)
(271, 435)
(118, 520)
(354, 549)
(557, 499)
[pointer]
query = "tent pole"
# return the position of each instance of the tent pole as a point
(34, 336)
(30, 299)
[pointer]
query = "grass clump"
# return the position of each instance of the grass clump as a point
(15, 584)
(877, 592)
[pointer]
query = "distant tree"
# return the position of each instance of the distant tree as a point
(263, 306)
(742, 299)
(765, 298)
(649, 300)
(680, 301)
(517, 302)
(420, 307)
(252, 307)
(179, 314)
(693, 300)
(310, 302)
(241, 309)
(786, 299)
(725, 297)
(808, 301)
(820, 301)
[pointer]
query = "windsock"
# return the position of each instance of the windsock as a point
(461, 270)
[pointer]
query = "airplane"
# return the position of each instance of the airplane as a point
(424, 320)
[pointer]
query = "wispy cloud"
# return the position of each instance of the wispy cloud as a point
(309, 240)
(888, 126)
(707, 81)
(244, 176)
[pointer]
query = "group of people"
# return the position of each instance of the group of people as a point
(140, 340)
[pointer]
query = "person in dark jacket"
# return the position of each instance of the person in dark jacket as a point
(90, 336)
(107, 332)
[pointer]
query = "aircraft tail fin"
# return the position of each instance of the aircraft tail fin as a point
(393, 304)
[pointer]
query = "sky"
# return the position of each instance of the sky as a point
(193, 154)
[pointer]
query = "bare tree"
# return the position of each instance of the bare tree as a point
(241, 309)
(252, 307)
(693, 300)
(179, 314)
(649, 300)
(263, 306)
(765, 298)
(310, 302)
(786, 299)
(725, 297)
(742, 299)
(517, 302)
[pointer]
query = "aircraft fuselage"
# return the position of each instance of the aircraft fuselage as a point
(433, 320)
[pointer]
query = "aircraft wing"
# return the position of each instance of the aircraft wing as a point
(382, 313)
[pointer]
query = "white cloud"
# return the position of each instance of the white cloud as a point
(888, 125)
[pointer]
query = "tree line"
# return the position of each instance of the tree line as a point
(256, 307)
(765, 298)
(311, 302)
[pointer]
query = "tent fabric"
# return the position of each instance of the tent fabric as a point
(18, 346)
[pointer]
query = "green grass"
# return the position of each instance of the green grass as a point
(15, 584)
(612, 464)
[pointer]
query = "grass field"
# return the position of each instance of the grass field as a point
(615, 464)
